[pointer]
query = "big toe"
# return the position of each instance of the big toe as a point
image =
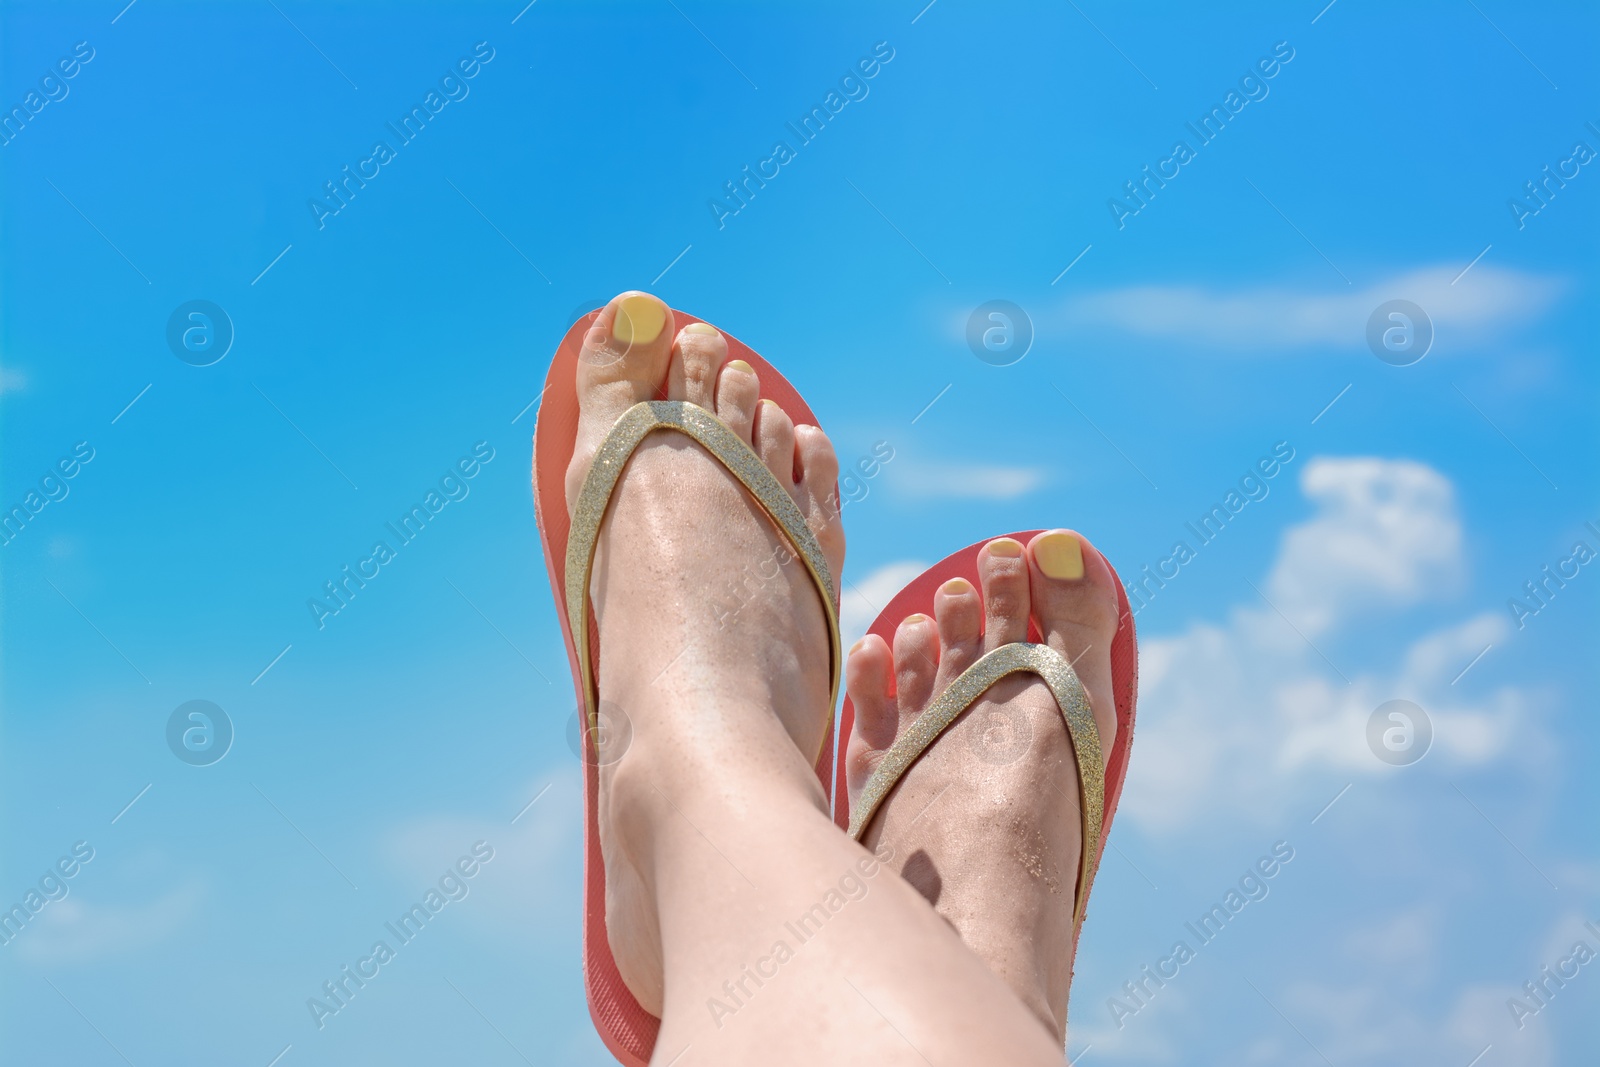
(623, 360)
(625, 353)
(1074, 601)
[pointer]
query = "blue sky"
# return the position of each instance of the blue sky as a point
(979, 161)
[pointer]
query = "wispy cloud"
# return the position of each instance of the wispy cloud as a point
(75, 930)
(962, 481)
(1465, 309)
(523, 896)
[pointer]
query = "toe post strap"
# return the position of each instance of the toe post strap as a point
(1071, 699)
(637, 423)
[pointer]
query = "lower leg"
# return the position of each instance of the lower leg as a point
(782, 940)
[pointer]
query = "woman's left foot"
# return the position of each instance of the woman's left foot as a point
(986, 823)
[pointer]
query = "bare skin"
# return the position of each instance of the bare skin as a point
(986, 823)
(714, 829)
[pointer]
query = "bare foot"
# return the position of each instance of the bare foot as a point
(986, 823)
(699, 693)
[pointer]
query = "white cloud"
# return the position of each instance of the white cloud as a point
(962, 481)
(1326, 720)
(73, 930)
(1580, 876)
(1372, 1024)
(1234, 714)
(864, 598)
(1379, 1021)
(1487, 299)
(1403, 945)
(1481, 1018)
(529, 893)
(1386, 532)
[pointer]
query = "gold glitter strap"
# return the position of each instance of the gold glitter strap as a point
(1073, 702)
(634, 426)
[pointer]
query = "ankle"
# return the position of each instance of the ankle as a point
(683, 757)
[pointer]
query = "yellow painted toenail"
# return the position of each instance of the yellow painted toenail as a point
(1005, 547)
(739, 364)
(639, 319)
(857, 646)
(914, 620)
(1059, 555)
(956, 587)
(700, 327)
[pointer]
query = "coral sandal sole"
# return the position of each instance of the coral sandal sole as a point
(627, 1029)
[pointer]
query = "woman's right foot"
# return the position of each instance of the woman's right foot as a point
(986, 823)
(691, 697)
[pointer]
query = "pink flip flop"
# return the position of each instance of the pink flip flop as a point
(627, 1029)
(1031, 657)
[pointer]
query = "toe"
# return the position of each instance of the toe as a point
(818, 491)
(916, 664)
(697, 356)
(1003, 570)
(819, 472)
(774, 443)
(1074, 598)
(626, 350)
(738, 390)
(622, 360)
(959, 613)
(867, 676)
